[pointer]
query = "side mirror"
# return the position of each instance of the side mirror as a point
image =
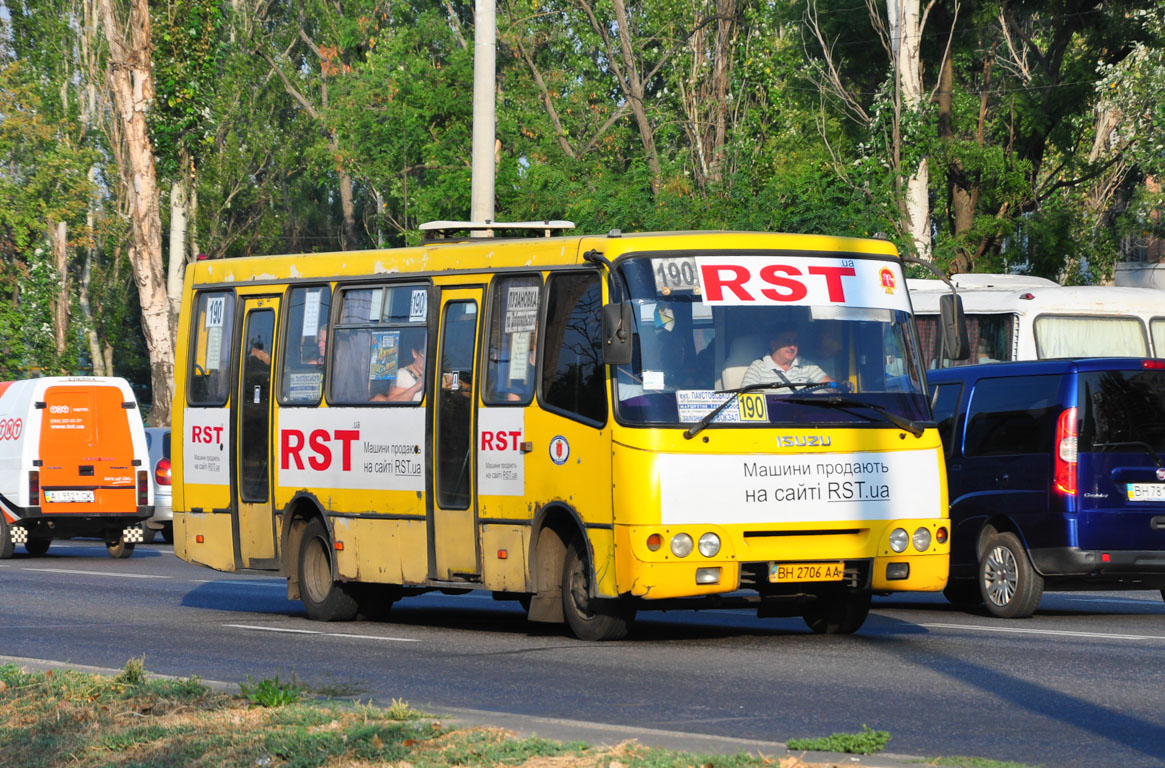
(954, 327)
(617, 327)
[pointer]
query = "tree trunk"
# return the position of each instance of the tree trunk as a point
(58, 237)
(130, 76)
(635, 91)
(906, 36)
(179, 200)
(95, 355)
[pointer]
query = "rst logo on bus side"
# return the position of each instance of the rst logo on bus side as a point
(319, 446)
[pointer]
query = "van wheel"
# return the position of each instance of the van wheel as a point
(6, 545)
(117, 546)
(148, 535)
(168, 533)
(587, 617)
(37, 547)
(1010, 586)
(324, 598)
(837, 614)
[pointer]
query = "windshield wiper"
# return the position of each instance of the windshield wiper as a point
(696, 428)
(845, 403)
(1134, 444)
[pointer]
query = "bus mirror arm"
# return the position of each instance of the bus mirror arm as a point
(956, 343)
(617, 320)
(617, 317)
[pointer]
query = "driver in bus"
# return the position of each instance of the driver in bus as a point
(783, 365)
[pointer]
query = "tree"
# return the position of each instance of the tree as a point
(128, 33)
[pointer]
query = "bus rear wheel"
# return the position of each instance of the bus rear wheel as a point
(590, 618)
(324, 598)
(837, 614)
(37, 547)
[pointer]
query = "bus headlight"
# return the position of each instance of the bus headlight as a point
(922, 539)
(899, 539)
(681, 545)
(709, 545)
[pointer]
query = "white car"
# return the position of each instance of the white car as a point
(158, 441)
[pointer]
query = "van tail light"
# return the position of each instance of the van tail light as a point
(1153, 365)
(162, 472)
(143, 488)
(1066, 453)
(34, 488)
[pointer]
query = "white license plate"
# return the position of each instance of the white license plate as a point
(1146, 491)
(59, 497)
(787, 572)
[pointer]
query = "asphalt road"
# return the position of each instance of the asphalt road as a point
(1080, 684)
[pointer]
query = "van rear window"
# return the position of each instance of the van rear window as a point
(1010, 415)
(1122, 411)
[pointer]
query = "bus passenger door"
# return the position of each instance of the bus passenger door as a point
(255, 522)
(453, 532)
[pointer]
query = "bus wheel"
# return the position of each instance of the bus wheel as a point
(1010, 586)
(117, 546)
(963, 593)
(375, 601)
(324, 599)
(837, 614)
(589, 618)
(37, 547)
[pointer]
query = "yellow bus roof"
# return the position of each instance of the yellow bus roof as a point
(483, 254)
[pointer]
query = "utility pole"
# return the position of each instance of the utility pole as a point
(481, 205)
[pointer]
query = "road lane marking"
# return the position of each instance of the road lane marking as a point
(1056, 632)
(98, 573)
(325, 634)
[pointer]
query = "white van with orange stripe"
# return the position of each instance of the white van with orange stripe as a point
(73, 462)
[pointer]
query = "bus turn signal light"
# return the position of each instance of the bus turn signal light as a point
(940, 535)
(654, 542)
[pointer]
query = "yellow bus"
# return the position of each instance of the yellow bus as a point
(590, 425)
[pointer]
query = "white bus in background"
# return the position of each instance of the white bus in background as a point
(1018, 317)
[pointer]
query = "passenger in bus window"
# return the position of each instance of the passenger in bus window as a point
(410, 379)
(520, 375)
(314, 351)
(783, 365)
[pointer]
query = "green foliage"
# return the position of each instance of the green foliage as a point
(188, 53)
(974, 762)
(865, 743)
(272, 692)
(134, 672)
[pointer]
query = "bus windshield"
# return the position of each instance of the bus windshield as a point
(693, 350)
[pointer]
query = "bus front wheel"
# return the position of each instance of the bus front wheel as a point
(590, 618)
(323, 597)
(839, 614)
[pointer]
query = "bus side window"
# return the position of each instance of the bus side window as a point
(573, 374)
(306, 346)
(513, 340)
(210, 359)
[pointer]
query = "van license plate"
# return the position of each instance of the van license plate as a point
(786, 572)
(1146, 491)
(58, 497)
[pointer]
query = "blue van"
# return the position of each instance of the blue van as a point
(1056, 470)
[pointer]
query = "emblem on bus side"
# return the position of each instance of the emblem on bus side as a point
(559, 450)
